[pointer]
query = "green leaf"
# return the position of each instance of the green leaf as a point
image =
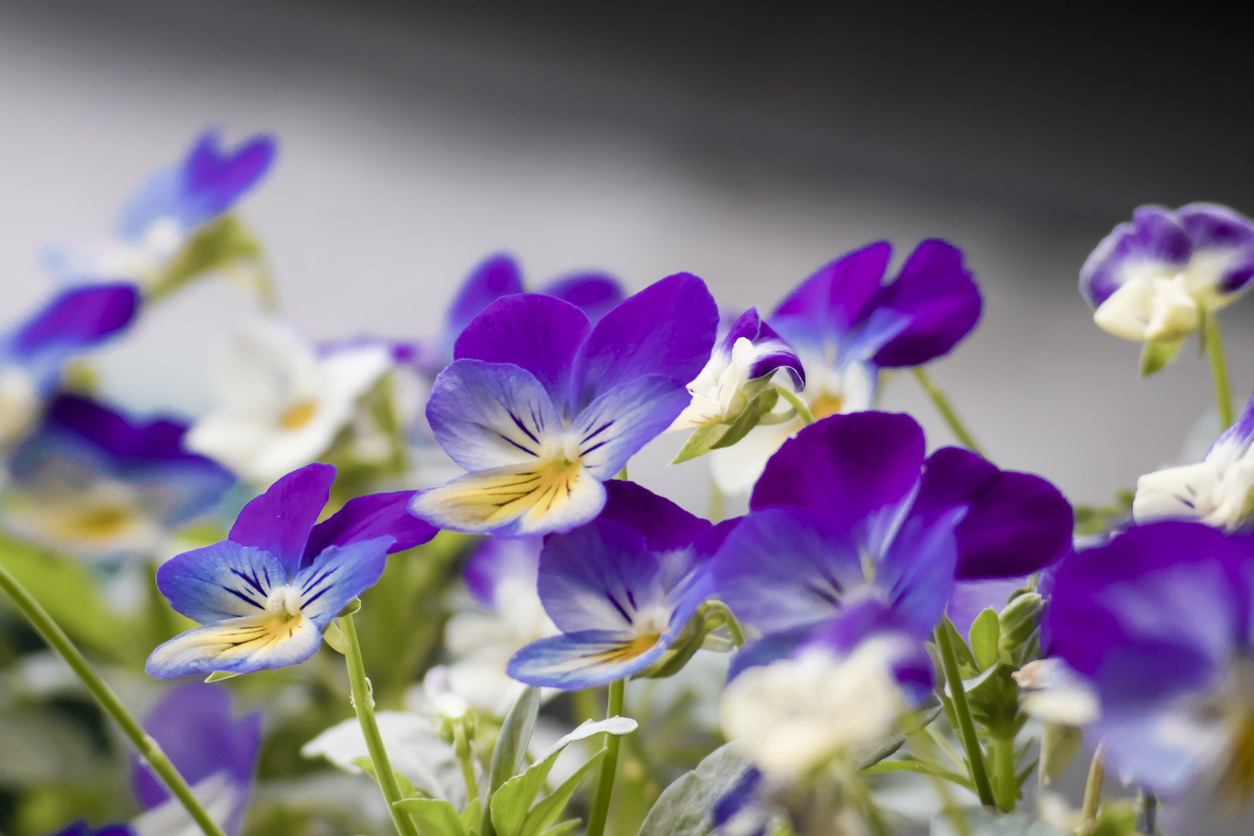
(1019, 620)
(684, 807)
(218, 676)
(1158, 353)
(511, 748)
(471, 816)
(985, 636)
(546, 812)
(701, 442)
(335, 637)
(564, 828)
(966, 661)
(434, 816)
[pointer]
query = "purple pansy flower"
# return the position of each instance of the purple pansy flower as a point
(621, 589)
(1155, 278)
(33, 354)
(215, 752)
(265, 594)
(851, 513)
(541, 406)
(1159, 621)
(846, 324)
(94, 482)
(750, 351)
(157, 218)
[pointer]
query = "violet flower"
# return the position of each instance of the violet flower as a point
(621, 589)
(96, 483)
(541, 406)
(845, 324)
(33, 354)
(265, 594)
(1154, 279)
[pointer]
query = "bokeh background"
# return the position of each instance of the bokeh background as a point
(747, 143)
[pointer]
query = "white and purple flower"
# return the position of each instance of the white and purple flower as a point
(845, 324)
(265, 594)
(541, 406)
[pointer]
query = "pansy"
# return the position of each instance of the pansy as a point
(1155, 279)
(846, 324)
(283, 400)
(1217, 490)
(95, 483)
(850, 512)
(265, 594)
(621, 589)
(158, 219)
(1158, 620)
(541, 406)
(750, 352)
(33, 354)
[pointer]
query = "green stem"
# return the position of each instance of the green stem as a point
(803, 412)
(1092, 794)
(1005, 783)
(363, 703)
(605, 778)
(1218, 370)
(147, 746)
(465, 756)
(871, 813)
(966, 726)
(924, 741)
(947, 412)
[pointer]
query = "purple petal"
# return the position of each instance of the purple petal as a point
(1154, 236)
(338, 575)
(825, 306)
(623, 419)
(498, 559)
(595, 294)
(214, 179)
(280, 520)
(667, 329)
(664, 525)
(970, 598)
(918, 570)
(768, 649)
(785, 568)
(488, 415)
(223, 580)
(771, 352)
(1156, 613)
(368, 517)
(581, 660)
(76, 320)
(912, 667)
(495, 277)
(194, 726)
(1015, 524)
(935, 299)
(1218, 228)
(598, 577)
(856, 469)
(538, 333)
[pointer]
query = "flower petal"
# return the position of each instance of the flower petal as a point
(488, 415)
(367, 517)
(280, 520)
(595, 294)
(236, 645)
(224, 580)
(918, 570)
(1015, 524)
(498, 561)
(214, 179)
(576, 661)
(623, 419)
(666, 329)
(825, 306)
(664, 525)
(521, 499)
(77, 319)
(1153, 243)
(338, 575)
(937, 302)
(599, 577)
(537, 333)
(491, 279)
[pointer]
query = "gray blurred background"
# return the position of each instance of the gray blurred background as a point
(748, 143)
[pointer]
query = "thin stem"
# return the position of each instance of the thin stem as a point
(1005, 783)
(605, 778)
(1146, 813)
(147, 746)
(1092, 794)
(946, 410)
(803, 412)
(363, 704)
(966, 726)
(1218, 370)
(926, 743)
(465, 756)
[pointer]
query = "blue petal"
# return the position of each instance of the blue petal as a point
(767, 649)
(368, 517)
(623, 419)
(159, 196)
(499, 559)
(221, 581)
(236, 645)
(488, 415)
(74, 321)
(823, 308)
(576, 661)
(918, 570)
(280, 520)
(595, 294)
(339, 575)
(495, 277)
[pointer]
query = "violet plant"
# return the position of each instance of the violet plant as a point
(894, 637)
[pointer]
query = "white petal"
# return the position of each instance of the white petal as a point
(1125, 313)
(735, 469)
(1189, 492)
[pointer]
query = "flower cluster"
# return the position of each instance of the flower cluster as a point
(892, 636)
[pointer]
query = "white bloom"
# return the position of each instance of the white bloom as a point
(797, 713)
(19, 403)
(92, 519)
(283, 402)
(1051, 691)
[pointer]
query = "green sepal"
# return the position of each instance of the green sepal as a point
(435, 816)
(966, 660)
(721, 435)
(350, 608)
(985, 635)
(335, 637)
(1158, 353)
(218, 676)
(701, 442)
(1019, 620)
(223, 244)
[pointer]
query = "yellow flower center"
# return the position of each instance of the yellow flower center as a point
(826, 405)
(630, 650)
(300, 414)
(95, 523)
